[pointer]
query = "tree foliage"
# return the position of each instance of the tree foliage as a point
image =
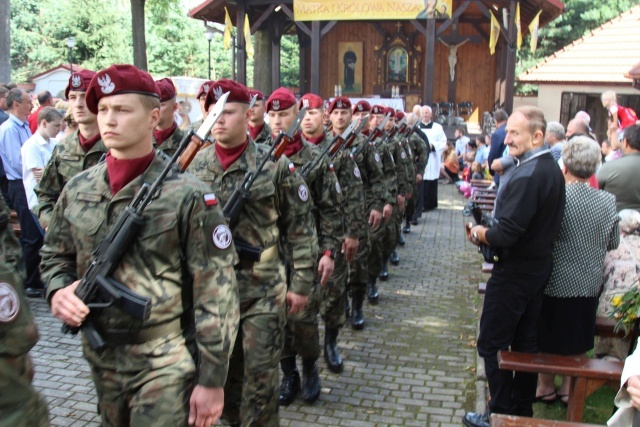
(580, 17)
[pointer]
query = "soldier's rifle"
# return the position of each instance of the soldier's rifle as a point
(377, 132)
(97, 289)
(348, 142)
(240, 195)
(331, 148)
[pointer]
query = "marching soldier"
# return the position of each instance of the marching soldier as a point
(370, 168)
(167, 135)
(410, 167)
(278, 210)
(75, 153)
(201, 96)
(333, 299)
(419, 152)
(259, 130)
(169, 369)
(301, 333)
(361, 109)
(20, 404)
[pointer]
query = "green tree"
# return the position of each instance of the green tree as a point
(290, 61)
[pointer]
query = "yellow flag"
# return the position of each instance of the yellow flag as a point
(247, 37)
(519, 27)
(533, 29)
(226, 40)
(494, 34)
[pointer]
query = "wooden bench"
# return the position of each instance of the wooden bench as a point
(487, 267)
(587, 375)
(480, 183)
(500, 420)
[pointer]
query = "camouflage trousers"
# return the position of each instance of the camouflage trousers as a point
(137, 386)
(359, 267)
(333, 294)
(301, 332)
(376, 253)
(251, 390)
(391, 233)
(20, 404)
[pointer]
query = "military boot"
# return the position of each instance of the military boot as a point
(331, 353)
(372, 290)
(357, 315)
(395, 259)
(290, 385)
(310, 380)
(384, 272)
(401, 240)
(407, 227)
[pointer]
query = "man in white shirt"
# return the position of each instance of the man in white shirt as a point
(437, 144)
(461, 145)
(36, 151)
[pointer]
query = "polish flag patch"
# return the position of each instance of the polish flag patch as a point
(292, 167)
(210, 199)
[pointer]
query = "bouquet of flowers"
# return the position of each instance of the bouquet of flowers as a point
(625, 309)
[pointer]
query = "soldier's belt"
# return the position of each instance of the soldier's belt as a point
(116, 337)
(249, 255)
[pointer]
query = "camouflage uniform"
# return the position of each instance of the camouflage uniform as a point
(67, 160)
(183, 260)
(278, 209)
(20, 404)
(171, 144)
(405, 180)
(349, 176)
(419, 153)
(264, 137)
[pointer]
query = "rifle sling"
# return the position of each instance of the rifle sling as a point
(117, 337)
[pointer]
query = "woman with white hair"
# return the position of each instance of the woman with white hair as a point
(621, 271)
(589, 229)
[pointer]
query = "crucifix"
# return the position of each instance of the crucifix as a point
(398, 26)
(453, 41)
(453, 56)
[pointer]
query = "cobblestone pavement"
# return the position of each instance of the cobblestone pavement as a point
(413, 364)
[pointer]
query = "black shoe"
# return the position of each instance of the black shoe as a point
(384, 273)
(407, 227)
(34, 292)
(471, 419)
(395, 259)
(331, 354)
(372, 290)
(401, 240)
(357, 316)
(414, 221)
(290, 385)
(310, 380)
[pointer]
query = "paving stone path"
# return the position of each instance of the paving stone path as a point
(413, 364)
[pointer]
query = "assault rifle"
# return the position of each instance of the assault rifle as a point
(377, 132)
(98, 289)
(240, 195)
(332, 147)
(352, 137)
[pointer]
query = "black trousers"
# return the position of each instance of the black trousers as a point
(509, 319)
(430, 195)
(31, 237)
(418, 201)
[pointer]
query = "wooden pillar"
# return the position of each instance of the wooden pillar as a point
(303, 42)
(275, 60)
(315, 57)
(262, 69)
(430, 53)
(511, 60)
(241, 57)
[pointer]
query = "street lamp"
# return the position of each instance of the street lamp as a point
(209, 35)
(71, 42)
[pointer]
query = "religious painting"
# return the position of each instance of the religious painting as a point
(350, 60)
(397, 61)
(438, 9)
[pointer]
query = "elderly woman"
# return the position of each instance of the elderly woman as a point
(589, 229)
(621, 270)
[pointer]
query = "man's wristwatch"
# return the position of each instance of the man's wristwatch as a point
(331, 253)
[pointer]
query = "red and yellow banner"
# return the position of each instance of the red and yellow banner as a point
(347, 10)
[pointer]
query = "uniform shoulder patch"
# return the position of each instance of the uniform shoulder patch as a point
(292, 168)
(210, 199)
(337, 187)
(222, 237)
(377, 157)
(356, 172)
(403, 155)
(9, 303)
(303, 193)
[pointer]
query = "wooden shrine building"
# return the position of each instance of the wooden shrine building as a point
(412, 55)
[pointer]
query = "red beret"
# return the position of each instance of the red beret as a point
(399, 115)
(237, 92)
(389, 111)
(311, 101)
(341, 102)
(166, 88)
(204, 88)
(280, 100)
(362, 106)
(378, 109)
(79, 82)
(119, 79)
(254, 92)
